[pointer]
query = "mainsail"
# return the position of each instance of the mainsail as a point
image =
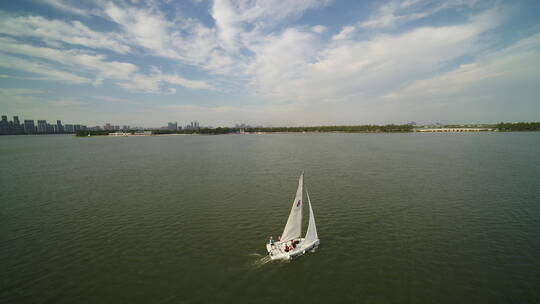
(311, 234)
(293, 229)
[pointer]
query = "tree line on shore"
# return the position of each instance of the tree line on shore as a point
(505, 127)
(227, 130)
(518, 126)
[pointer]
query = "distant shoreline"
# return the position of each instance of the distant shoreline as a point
(312, 132)
(267, 133)
(407, 128)
(366, 129)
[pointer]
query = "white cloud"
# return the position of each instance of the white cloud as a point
(57, 32)
(72, 59)
(282, 58)
(228, 23)
(20, 91)
(48, 71)
(142, 83)
(66, 6)
(114, 99)
(183, 39)
(96, 65)
(319, 29)
(232, 17)
(504, 67)
(67, 102)
(239, 25)
(152, 83)
(296, 66)
(393, 13)
(147, 29)
(219, 50)
(187, 83)
(345, 33)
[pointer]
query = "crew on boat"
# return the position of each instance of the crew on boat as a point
(271, 241)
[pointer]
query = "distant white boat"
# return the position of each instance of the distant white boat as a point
(291, 244)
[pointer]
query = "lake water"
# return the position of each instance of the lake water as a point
(403, 218)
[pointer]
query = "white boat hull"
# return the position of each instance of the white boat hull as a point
(276, 251)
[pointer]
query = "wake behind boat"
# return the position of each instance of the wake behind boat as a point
(291, 244)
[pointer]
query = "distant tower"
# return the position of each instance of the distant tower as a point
(41, 126)
(29, 127)
(69, 128)
(4, 125)
(17, 128)
(173, 126)
(59, 127)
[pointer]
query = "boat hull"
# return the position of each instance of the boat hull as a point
(276, 251)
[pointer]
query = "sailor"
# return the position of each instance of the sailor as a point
(271, 241)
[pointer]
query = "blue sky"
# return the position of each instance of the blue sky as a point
(270, 62)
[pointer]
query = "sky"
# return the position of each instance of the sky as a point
(270, 62)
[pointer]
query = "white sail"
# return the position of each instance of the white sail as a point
(293, 228)
(311, 234)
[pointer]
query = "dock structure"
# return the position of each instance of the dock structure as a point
(137, 133)
(118, 133)
(455, 130)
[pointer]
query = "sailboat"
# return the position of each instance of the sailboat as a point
(291, 244)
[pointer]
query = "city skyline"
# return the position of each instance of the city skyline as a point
(42, 126)
(263, 63)
(195, 124)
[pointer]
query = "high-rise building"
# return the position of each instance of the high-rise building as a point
(29, 127)
(59, 127)
(41, 126)
(17, 127)
(172, 126)
(77, 128)
(4, 125)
